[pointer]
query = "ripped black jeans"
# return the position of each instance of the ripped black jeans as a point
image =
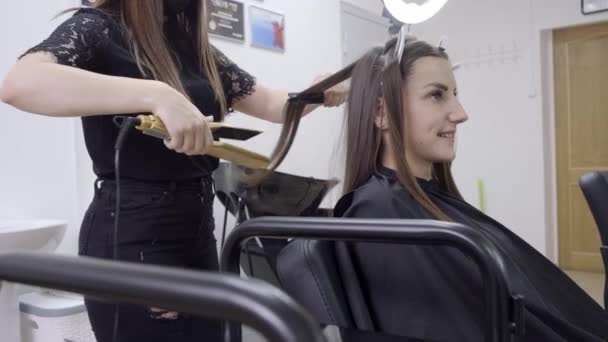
(163, 223)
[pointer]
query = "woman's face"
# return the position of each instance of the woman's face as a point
(432, 112)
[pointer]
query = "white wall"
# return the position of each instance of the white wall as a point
(46, 172)
(502, 141)
(37, 153)
(551, 14)
(50, 172)
(548, 17)
(312, 48)
(372, 6)
(508, 139)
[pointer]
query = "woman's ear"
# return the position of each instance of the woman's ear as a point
(381, 119)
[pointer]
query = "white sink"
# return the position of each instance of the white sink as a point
(31, 235)
(23, 235)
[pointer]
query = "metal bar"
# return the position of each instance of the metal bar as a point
(255, 303)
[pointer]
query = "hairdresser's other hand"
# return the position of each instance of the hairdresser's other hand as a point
(336, 95)
(190, 134)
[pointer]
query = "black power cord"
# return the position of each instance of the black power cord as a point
(125, 123)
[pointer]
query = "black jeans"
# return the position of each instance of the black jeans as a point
(163, 223)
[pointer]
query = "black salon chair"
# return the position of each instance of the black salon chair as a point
(309, 272)
(308, 268)
(595, 188)
(279, 194)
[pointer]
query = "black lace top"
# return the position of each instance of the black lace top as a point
(95, 41)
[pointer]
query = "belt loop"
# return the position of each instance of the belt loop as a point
(97, 187)
(207, 189)
(207, 185)
(172, 190)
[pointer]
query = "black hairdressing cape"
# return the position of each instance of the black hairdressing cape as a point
(435, 293)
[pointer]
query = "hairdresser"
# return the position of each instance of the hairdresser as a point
(145, 56)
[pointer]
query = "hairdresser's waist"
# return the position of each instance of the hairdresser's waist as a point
(192, 184)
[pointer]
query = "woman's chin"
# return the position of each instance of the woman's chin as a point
(444, 157)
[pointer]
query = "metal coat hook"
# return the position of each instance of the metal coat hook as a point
(442, 42)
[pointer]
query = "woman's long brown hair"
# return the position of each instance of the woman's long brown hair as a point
(144, 21)
(376, 75)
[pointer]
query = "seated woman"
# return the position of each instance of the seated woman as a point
(402, 117)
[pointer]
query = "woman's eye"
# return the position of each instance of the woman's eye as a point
(437, 95)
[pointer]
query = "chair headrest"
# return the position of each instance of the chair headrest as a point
(595, 188)
(279, 194)
(309, 273)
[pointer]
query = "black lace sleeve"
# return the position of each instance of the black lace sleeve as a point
(77, 42)
(237, 82)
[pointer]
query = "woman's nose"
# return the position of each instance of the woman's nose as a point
(458, 114)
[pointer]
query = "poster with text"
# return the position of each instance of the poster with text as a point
(225, 19)
(267, 29)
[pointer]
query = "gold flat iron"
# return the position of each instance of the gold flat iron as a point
(153, 126)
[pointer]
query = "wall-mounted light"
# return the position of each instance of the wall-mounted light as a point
(413, 11)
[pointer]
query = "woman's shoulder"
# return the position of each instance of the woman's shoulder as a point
(80, 38)
(94, 17)
(220, 57)
(95, 12)
(379, 196)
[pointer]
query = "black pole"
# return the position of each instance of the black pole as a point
(500, 307)
(255, 303)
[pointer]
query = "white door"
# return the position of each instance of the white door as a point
(361, 30)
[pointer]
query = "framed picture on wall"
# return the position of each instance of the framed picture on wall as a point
(594, 6)
(226, 19)
(267, 29)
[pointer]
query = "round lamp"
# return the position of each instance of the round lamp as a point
(413, 12)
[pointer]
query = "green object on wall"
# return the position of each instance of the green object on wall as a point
(481, 190)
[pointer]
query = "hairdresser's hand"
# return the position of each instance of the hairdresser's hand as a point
(187, 126)
(336, 95)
